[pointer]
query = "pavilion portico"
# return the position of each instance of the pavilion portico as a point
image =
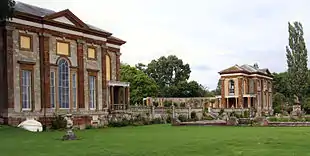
(118, 95)
(247, 101)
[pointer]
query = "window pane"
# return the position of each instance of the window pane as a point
(26, 89)
(63, 87)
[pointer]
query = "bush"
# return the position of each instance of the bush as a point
(246, 114)
(182, 104)
(167, 103)
(193, 115)
(182, 118)
(169, 119)
(245, 121)
(58, 123)
(157, 121)
(207, 117)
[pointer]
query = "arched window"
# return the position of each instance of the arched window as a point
(108, 67)
(231, 86)
(63, 83)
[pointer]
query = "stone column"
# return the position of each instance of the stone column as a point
(128, 95)
(8, 68)
(237, 106)
(227, 103)
(80, 62)
(124, 97)
(112, 97)
(45, 70)
(104, 79)
(249, 102)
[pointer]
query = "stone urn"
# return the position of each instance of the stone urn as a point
(69, 134)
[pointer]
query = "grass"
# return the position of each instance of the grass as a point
(160, 140)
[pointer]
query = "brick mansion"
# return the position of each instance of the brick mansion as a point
(53, 62)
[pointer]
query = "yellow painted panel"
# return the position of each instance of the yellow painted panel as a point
(62, 48)
(25, 42)
(91, 53)
(108, 67)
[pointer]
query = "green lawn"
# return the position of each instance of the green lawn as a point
(160, 140)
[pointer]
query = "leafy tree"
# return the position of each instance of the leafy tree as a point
(6, 9)
(218, 89)
(141, 85)
(167, 72)
(297, 58)
(279, 101)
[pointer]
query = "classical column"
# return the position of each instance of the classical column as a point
(128, 96)
(227, 103)
(44, 70)
(249, 102)
(104, 79)
(112, 97)
(236, 106)
(8, 68)
(124, 97)
(80, 62)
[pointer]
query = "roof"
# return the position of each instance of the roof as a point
(33, 10)
(247, 69)
(42, 12)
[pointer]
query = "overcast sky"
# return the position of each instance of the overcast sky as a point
(210, 35)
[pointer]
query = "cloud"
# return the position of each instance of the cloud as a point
(209, 35)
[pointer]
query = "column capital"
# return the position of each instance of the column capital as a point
(80, 41)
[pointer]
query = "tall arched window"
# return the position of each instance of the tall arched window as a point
(231, 86)
(108, 67)
(63, 83)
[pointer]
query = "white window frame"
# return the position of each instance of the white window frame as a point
(92, 92)
(53, 89)
(26, 88)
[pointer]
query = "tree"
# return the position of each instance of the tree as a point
(167, 71)
(297, 58)
(218, 89)
(279, 101)
(6, 9)
(141, 85)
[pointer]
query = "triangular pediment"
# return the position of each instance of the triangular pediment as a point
(66, 17)
(63, 19)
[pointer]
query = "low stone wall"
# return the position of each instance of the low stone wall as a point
(289, 124)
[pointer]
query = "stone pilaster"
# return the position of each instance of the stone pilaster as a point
(9, 70)
(104, 74)
(118, 62)
(240, 95)
(44, 70)
(80, 62)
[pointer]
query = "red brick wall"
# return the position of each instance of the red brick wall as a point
(80, 62)
(223, 100)
(240, 96)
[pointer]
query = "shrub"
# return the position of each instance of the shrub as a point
(59, 122)
(245, 121)
(157, 121)
(182, 104)
(193, 115)
(246, 114)
(182, 118)
(232, 121)
(207, 117)
(167, 103)
(169, 119)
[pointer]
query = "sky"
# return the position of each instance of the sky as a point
(209, 35)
